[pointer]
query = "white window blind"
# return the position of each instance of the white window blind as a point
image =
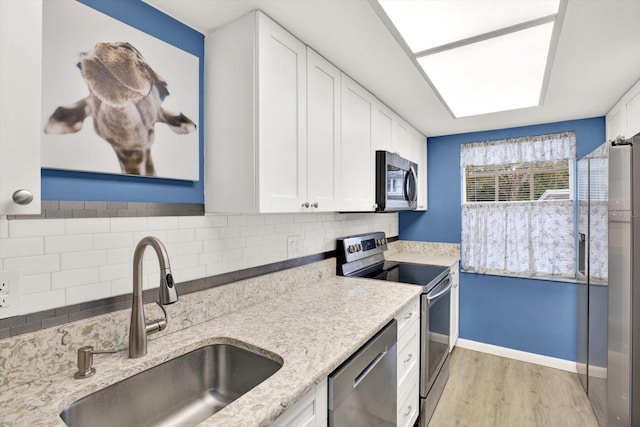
(517, 208)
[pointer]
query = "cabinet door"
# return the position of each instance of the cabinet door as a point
(455, 306)
(400, 137)
(356, 190)
(418, 154)
(632, 108)
(323, 132)
(20, 103)
(616, 123)
(282, 119)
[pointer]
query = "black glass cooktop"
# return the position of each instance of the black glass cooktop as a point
(414, 274)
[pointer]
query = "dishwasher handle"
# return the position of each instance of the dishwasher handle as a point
(368, 369)
(356, 368)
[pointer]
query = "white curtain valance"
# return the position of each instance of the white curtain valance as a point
(544, 148)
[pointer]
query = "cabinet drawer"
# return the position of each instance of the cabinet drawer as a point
(410, 400)
(408, 351)
(406, 317)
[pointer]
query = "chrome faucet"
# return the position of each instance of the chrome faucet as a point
(140, 328)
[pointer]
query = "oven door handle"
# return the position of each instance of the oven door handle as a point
(439, 290)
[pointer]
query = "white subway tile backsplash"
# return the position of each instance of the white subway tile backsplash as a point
(232, 254)
(69, 278)
(128, 224)
(214, 245)
(254, 240)
(174, 236)
(210, 257)
(35, 284)
(255, 219)
(113, 240)
(236, 220)
(36, 227)
(139, 235)
(250, 230)
(191, 273)
(207, 233)
(216, 220)
(163, 223)
(68, 243)
(116, 271)
(305, 218)
(191, 222)
(75, 260)
(119, 255)
(90, 292)
(42, 301)
(122, 286)
(85, 225)
(278, 219)
(4, 228)
(230, 231)
(187, 248)
(20, 247)
(33, 265)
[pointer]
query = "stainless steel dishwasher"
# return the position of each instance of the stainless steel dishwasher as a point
(363, 390)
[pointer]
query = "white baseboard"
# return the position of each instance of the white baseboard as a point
(538, 359)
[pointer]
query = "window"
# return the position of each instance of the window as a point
(518, 182)
(517, 207)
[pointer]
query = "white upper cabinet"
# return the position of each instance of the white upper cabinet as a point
(281, 97)
(417, 153)
(256, 148)
(287, 131)
(323, 133)
(382, 127)
(357, 187)
(624, 118)
(20, 104)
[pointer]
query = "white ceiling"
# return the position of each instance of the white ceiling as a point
(597, 60)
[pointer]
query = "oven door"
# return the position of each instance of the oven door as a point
(434, 330)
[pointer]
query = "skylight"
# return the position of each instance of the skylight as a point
(481, 56)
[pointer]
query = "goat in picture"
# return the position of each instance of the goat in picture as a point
(125, 97)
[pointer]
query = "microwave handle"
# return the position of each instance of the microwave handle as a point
(411, 174)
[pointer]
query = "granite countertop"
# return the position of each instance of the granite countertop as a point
(424, 258)
(312, 330)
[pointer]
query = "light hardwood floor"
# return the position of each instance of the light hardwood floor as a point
(490, 391)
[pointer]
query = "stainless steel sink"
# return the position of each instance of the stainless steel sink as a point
(181, 392)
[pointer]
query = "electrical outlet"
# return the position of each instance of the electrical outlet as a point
(9, 294)
(294, 246)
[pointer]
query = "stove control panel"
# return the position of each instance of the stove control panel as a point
(352, 248)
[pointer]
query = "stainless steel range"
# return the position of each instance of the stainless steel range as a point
(363, 256)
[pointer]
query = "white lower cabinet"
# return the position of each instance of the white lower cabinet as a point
(455, 306)
(408, 364)
(310, 411)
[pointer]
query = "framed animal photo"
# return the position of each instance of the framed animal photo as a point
(115, 99)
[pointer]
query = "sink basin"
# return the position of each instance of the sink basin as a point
(180, 392)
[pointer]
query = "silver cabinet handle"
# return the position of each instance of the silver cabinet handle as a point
(305, 205)
(408, 358)
(408, 316)
(406, 414)
(22, 197)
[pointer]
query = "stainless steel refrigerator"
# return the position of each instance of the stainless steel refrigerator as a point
(591, 345)
(623, 385)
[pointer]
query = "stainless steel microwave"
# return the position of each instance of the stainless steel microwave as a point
(396, 183)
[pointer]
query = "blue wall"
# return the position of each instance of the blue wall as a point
(536, 316)
(65, 185)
